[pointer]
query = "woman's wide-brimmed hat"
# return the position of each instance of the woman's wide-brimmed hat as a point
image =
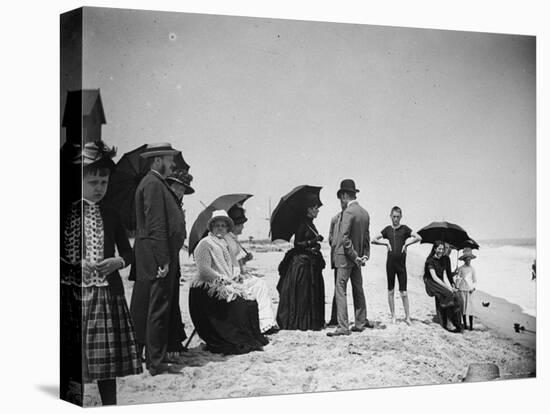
(347, 185)
(220, 215)
(182, 177)
(93, 154)
(236, 213)
(159, 150)
(467, 253)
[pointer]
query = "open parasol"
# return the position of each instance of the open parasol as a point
(290, 211)
(224, 202)
(128, 172)
(444, 231)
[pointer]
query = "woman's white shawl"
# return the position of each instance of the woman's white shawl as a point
(216, 271)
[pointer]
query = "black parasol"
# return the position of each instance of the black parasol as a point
(128, 172)
(290, 211)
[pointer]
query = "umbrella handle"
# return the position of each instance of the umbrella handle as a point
(314, 232)
(241, 246)
(186, 346)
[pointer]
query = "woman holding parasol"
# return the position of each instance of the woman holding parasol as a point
(301, 286)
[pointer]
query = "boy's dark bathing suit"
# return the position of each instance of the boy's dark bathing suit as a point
(395, 263)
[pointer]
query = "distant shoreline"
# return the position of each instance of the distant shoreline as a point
(518, 242)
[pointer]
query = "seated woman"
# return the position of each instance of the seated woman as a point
(222, 312)
(253, 285)
(301, 286)
(448, 301)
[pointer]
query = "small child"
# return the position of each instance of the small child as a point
(466, 284)
(97, 334)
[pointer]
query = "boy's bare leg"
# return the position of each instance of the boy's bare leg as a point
(391, 302)
(405, 299)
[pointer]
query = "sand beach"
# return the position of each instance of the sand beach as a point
(387, 356)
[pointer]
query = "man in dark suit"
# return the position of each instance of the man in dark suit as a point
(334, 237)
(352, 252)
(160, 233)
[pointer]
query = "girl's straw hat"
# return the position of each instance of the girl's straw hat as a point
(467, 253)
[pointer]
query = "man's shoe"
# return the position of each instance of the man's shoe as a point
(272, 331)
(338, 332)
(356, 329)
(171, 359)
(369, 324)
(165, 367)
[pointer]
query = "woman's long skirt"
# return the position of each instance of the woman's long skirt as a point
(260, 291)
(226, 327)
(302, 294)
(448, 304)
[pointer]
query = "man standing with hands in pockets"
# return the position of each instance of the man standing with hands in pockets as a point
(352, 252)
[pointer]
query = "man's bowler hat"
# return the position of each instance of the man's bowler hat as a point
(347, 186)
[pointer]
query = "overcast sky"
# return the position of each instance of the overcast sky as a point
(441, 123)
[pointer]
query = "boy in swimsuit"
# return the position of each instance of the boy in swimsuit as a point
(397, 237)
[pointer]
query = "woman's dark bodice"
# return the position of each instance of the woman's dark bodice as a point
(305, 237)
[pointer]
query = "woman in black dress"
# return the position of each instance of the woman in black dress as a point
(447, 300)
(301, 286)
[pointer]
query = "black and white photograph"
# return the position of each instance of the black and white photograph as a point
(283, 206)
(291, 199)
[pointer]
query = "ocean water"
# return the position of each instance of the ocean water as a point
(526, 242)
(503, 269)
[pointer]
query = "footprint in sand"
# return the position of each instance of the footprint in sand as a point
(310, 384)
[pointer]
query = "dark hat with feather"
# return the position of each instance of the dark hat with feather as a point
(94, 154)
(182, 177)
(236, 213)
